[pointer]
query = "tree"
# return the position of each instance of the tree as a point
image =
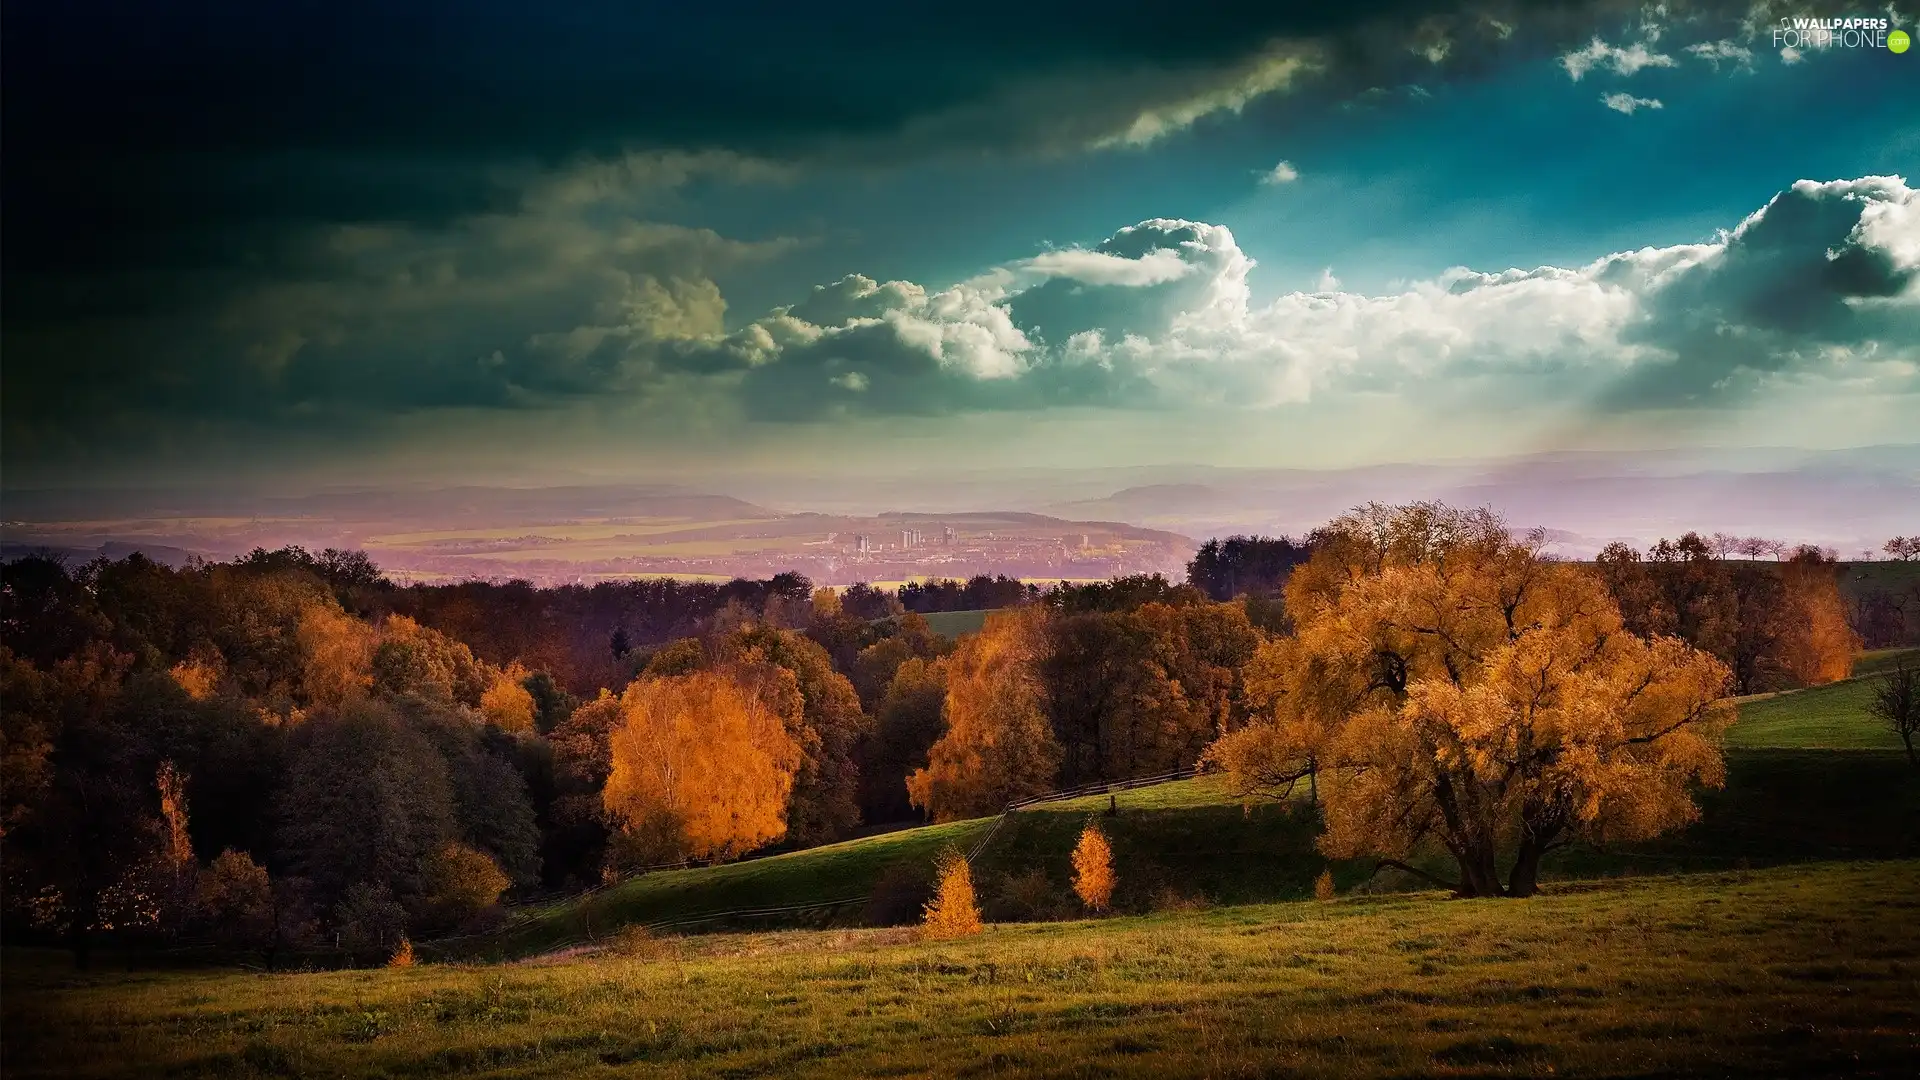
(1903, 548)
(998, 744)
(461, 885)
(829, 729)
(370, 923)
(1093, 878)
(1462, 694)
(908, 723)
(337, 650)
(507, 704)
(1816, 643)
(233, 899)
(953, 911)
(1896, 703)
(702, 767)
(366, 799)
(551, 702)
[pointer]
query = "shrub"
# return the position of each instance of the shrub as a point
(952, 912)
(900, 896)
(1093, 878)
(461, 885)
(403, 956)
(1323, 886)
(1028, 897)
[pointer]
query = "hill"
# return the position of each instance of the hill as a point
(1802, 971)
(1824, 717)
(1193, 842)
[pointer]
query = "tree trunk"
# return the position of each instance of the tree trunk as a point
(1525, 878)
(1907, 737)
(1478, 875)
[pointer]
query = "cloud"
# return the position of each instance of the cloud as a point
(1724, 51)
(1283, 173)
(1819, 287)
(1627, 103)
(1621, 60)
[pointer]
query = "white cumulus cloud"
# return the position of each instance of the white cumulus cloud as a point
(1627, 103)
(1619, 59)
(1283, 173)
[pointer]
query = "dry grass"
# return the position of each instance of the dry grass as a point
(1814, 969)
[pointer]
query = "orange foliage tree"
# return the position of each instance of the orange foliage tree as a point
(999, 745)
(953, 911)
(1817, 645)
(701, 767)
(1457, 692)
(506, 703)
(1093, 877)
(337, 654)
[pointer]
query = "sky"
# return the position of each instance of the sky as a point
(306, 244)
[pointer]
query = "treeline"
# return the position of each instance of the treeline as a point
(1774, 624)
(290, 752)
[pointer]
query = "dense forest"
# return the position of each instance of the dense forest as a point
(288, 752)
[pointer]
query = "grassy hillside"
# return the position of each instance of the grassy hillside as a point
(1192, 842)
(1803, 971)
(955, 623)
(1824, 717)
(1789, 798)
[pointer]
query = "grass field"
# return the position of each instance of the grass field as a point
(1813, 970)
(1825, 717)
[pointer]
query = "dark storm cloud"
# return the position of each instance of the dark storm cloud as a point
(1807, 280)
(286, 212)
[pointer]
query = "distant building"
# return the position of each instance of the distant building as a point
(862, 543)
(946, 536)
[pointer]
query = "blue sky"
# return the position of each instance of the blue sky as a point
(503, 239)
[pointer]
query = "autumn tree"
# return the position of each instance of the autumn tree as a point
(998, 745)
(829, 730)
(460, 885)
(506, 703)
(701, 766)
(233, 899)
(1816, 643)
(1093, 878)
(1461, 694)
(953, 912)
(1896, 704)
(336, 653)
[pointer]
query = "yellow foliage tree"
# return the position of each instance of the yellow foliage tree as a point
(702, 767)
(507, 704)
(999, 745)
(1093, 877)
(337, 650)
(952, 912)
(198, 676)
(1454, 691)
